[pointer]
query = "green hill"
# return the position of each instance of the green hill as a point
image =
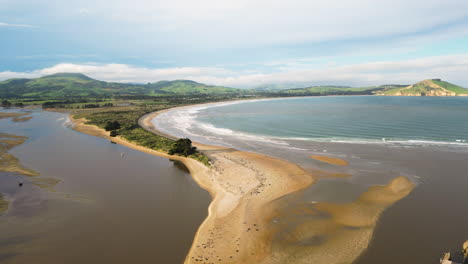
(62, 85)
(189, 87)
(337, 90)
(430, 87)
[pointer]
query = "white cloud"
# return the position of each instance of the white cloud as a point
(274, 22)
(253, 23)
(452, 68)
(2, 24)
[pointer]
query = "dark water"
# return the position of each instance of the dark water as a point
(106, 209)
(423, 141)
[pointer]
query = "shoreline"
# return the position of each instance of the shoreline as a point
(362, 214)
(250, 192)
(242, 186)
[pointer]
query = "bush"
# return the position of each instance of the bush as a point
(182, 147)
(112, 125)
(113, 133)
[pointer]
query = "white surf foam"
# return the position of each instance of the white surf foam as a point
(183, 123)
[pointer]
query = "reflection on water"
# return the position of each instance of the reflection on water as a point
(106, 209)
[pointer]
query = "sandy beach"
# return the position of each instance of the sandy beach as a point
(248, 191)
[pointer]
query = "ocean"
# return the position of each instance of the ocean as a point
(345, 119)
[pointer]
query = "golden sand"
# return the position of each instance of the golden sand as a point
(330, 160)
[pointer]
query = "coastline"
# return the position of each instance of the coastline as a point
(250, 194)
(242, 186)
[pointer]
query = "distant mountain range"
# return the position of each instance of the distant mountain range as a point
(76, 84)
(62, 85)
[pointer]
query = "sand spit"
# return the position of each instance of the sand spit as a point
(16, 117)
(8, 162)
(242, 185)
(250, 219)
(330, 160)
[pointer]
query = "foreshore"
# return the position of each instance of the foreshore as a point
(248, 192)
(242, 186)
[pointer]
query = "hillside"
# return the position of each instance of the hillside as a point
(188, 87)
(63, 85)
(430, 87)
(338, 90)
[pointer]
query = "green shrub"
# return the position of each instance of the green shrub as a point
(131, 131)
(182, 147)
(110, 126)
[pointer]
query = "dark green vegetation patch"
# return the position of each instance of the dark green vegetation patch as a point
(129, 129)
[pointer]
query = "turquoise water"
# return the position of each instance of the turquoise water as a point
(357, 118)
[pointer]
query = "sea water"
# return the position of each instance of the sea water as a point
(353, 119)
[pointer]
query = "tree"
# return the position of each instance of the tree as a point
(112, 125)
(19, 104)
(113, 133)
(6, 103)
(182, 147)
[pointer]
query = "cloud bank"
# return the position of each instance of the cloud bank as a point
(453, 68)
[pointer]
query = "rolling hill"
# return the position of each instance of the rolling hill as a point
(430, 87)
(63, 85)
(338, 90)
(189, 87)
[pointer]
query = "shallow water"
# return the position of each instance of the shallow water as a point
(106, 209)
(423, 142)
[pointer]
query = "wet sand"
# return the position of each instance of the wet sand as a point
(330, 160)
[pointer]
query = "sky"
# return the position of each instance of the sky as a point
(238, 43)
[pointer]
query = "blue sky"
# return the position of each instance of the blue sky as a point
(241, 43)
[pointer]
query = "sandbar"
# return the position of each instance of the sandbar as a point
(248, 192)
(330, 160)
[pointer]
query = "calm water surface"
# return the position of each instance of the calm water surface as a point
(106, 209)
